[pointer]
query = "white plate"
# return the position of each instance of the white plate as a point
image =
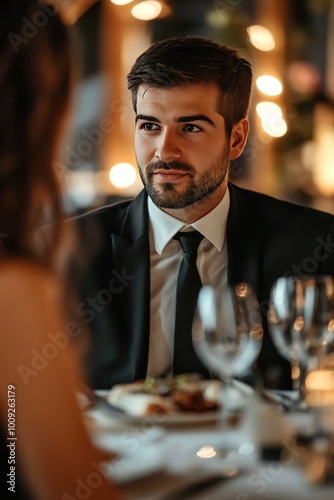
(176, 418)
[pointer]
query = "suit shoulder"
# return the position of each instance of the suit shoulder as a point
(268, 206)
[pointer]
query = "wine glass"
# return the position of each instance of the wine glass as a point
(283, 323)
(318, 392)
(314, 323)
(227, 332)
(315, 343)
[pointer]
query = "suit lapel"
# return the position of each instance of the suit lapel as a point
(244, 241)
(131, 254)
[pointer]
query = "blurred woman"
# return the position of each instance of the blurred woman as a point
(52, 456)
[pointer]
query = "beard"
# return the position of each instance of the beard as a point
(167, 196)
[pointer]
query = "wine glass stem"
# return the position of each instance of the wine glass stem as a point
(228, 401)
(295, 374)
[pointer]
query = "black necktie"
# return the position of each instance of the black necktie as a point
(188, 287)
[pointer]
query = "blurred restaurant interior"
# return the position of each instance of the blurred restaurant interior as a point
(290, 150)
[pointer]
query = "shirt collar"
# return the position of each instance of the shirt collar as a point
(212, 226)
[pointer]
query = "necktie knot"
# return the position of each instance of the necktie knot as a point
(189, 241)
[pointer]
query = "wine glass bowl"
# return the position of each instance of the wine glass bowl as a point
(301, 322)
(315, 318)
(227, 330)
(284, 322)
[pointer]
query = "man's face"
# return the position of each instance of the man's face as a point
(181, 145)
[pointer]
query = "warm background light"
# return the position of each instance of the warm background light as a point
(121, 2)
(303, 77)
(206, 451)
(261, 37)
(269, 85)
(320, 379)
(81, 188)
(273, 125)
(146, 11)
(272, 121)
(264, 108)
(323, 172)
(122, 175)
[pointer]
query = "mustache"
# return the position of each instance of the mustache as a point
(173, 165)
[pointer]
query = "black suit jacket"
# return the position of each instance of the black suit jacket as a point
(266, 238)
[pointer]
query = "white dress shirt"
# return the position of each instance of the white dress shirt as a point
(165, 259)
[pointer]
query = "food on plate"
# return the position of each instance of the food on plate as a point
(184, 393)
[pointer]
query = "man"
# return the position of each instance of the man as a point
(190, 97)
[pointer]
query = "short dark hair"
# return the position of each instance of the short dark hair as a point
(183, 61)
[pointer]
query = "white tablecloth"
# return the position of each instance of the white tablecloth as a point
(158, 459)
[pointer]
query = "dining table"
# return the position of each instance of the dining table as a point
(266, 449)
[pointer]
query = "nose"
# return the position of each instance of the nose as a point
(168, 148)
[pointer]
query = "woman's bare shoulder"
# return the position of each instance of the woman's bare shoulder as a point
(22, 277)
(29, 306)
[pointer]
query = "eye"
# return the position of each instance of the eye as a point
(149, 126)
(192, 128)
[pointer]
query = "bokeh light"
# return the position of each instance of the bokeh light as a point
(121, 2)
(122, 175)
(261, 37)
(269, 85)
(274, 125)
(147, 10)
(264, 108)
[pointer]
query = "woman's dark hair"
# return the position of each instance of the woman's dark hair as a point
(183, 61)
(35, 82)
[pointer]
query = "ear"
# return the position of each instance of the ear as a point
(238, 138)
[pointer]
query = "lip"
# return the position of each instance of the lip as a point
(169, 175)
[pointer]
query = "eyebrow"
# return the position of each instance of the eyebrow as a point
(181, 119)
(147, 118)
(195, 118)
